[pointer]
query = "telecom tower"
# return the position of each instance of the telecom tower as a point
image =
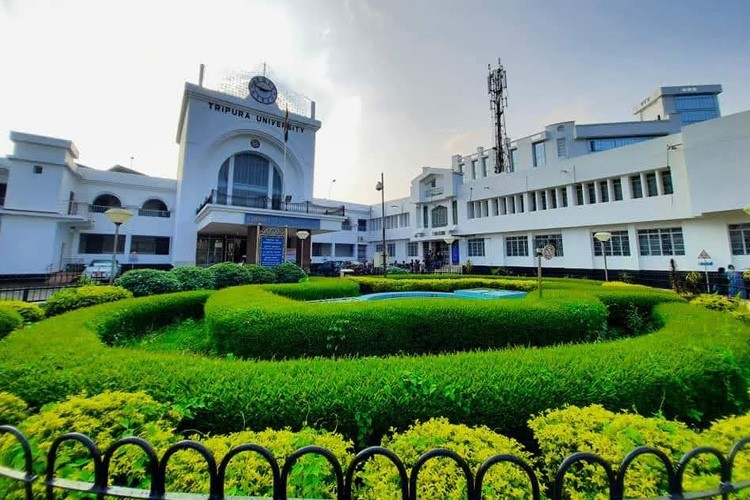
(497, 87)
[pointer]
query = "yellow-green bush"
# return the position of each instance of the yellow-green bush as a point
(29, 312)
(249, 474)
(441, 478)
(9, 320)
(68, 299)
(12, 409)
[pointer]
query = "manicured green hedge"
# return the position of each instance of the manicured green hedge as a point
(377, 285)
(29, 312)
(194, 278)
(691, 369)
(316, 289)
(143, 282)
(139, 317)
(9, 320)
(68, 299)
(250, 322)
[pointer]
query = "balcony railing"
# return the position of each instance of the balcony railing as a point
(436, 191)
(266, 203)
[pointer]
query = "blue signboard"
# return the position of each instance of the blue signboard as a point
(454, 253)
(271, 250)
(281, 221)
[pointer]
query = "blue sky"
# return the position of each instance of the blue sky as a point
(399, 84)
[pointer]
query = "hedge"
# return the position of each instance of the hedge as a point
(316, 289)
(691, 369)
(143, 282)
(68, 299)
(377, 285)
(30, 312)
(194, 278)
(140, 317)
(10, 319)
(250, 322)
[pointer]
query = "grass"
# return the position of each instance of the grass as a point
(186, 337)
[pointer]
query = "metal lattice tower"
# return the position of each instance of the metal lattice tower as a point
(497, 87)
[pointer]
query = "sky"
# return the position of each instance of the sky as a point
(399, 84)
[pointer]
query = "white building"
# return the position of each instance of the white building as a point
(666, 187)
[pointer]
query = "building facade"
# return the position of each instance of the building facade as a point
(668, 186)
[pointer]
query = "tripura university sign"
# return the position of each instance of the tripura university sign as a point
(241, 113)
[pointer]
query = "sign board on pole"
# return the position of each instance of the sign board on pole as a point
(704, 255)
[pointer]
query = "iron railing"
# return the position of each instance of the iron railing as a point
(266, 203)
(346, 479)
(31, 294)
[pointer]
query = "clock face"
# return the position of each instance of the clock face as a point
(263, 90)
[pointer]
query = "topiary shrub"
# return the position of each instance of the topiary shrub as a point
(12, 409)
(9, 320)
(260, 274)
(442, 478)
(68, 299)
(230, 274)
(28, 311)
(194, 278)
(288, 272)
(143, 282)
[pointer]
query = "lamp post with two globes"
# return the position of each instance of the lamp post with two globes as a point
(380, 186)
(118, 216)
(603, 237)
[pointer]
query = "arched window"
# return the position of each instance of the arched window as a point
(439, 216)
(154, 208)
(104, 202)
(255, 182)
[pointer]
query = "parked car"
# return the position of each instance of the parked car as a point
(102, 269)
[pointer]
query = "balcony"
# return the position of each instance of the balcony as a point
(431, 192)
(266, 203)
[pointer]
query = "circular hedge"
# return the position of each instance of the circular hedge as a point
(693, 369)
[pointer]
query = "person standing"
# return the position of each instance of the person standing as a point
(720, 285)
(736, 283)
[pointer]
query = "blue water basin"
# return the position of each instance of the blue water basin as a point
(472, 293)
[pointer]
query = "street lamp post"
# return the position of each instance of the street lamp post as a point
(449, 241)
(118, 216)
(302, 235)
(604, 237)
(380, 187)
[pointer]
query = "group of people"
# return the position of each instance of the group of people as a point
(730, 283)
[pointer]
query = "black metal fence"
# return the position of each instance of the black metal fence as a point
(346, 479)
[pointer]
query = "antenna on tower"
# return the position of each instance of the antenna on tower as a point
(497, 87)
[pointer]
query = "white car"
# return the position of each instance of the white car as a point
(102, 270)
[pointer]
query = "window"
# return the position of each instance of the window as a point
(100, 243)
(485, 160)
(653, 190)
(591, 189)
(688, 117)
(250, 174)
(520, 204)
(346, 225)
(532, 202)
(150, 245)
(635, 184)
(562, 148)
(425, 220)
(667, 241)
(614, 142)
(439, 216)
(473, 169)
(579, 194)
(344, 250)
(564, 192)
(321, 249)
(412, 249)
(476, 247)
(104, 202)
(542, 240)
(540, 158)
(516, 246)
(543, 199)
(454, 209)
(361, 253)
(3, 189)
(379, 247)
(739, 239)
(603, 192)
(617, 185)
(696, 107)
(38, 169)
(618, 245)
(513, 160)
(361, 224)
(391, 249)
(552, 197)
(666, 180)
(154, 208)
(470, 209)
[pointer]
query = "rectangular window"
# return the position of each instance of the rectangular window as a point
(540, 159)
(513, 160)
(485, 160)
(412, 249)
(454, 210)
(495, 206)
(439, 216)
(614, 142)
(476, 247)
(591, 188)
(532, 202)
(635, 184)
(666, 180)
(3, 189)
(617, 185)
(473, 169)
(618, 245)
(653, 190)
(361, 224)
(96, 243)
(552, 198)
(361, 253)
(321, 249)
(542, 240)
(344, 250)
(603, 192)
(38, 169)
(346, 225)
(562, 148)
(564, 193)
(739, 239)
(516, 246)
(391, 249)
(665, 241)
(579, 194)
(378, 247)
(470, 209)
(543, 199)
(425, 220)
(150, 245)
(520, 204)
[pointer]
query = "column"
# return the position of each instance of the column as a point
(659, 183)
(627, 189)
(252, 245)
(611, 189)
